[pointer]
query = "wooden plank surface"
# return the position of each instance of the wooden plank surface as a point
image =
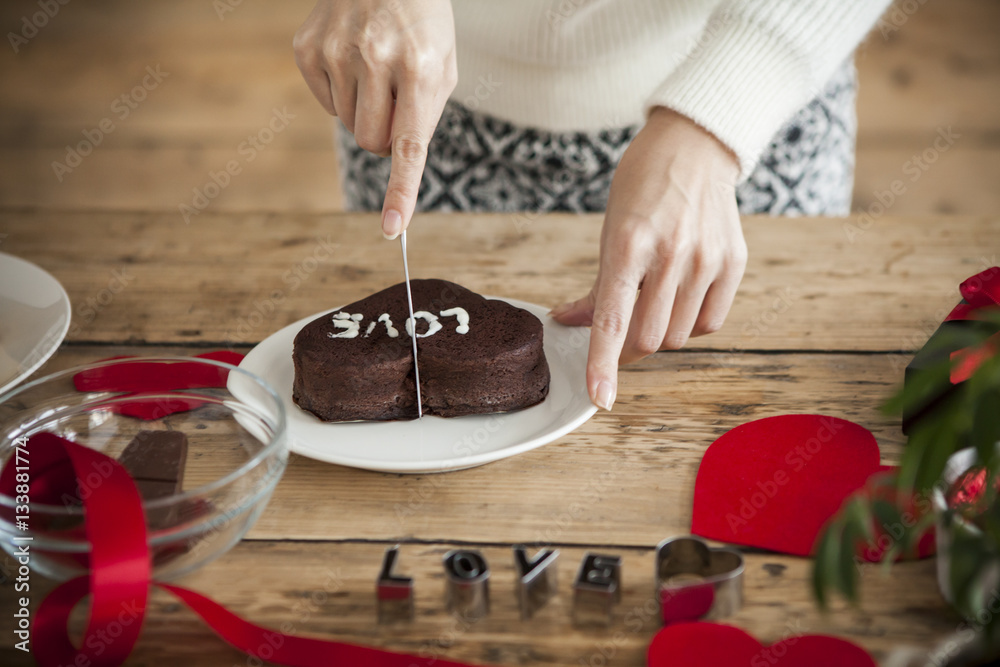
(930, 64)
(823, 325)
(871, 284)
(940, 68)
(163, 178)
(960, 180)
(625, 478)
(223, 79)
(327, 590)
(920, 69)
(825, 320)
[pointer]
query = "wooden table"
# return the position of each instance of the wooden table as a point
(826, 318)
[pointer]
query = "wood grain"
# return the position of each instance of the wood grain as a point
(930, 64)
(624, 478)
(818, 329)
(870, 283)
(940, 68)
(826, 318)
(222, 81)
(327, 590)
(163, 178)
(957, 181)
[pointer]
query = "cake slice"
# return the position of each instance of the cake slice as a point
(476, 356)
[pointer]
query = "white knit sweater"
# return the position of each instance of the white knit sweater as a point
(739, 68)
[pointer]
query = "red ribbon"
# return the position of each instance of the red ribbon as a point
(155, 378)
(119, 577)
(979, 292)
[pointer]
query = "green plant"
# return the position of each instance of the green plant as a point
(969, 416)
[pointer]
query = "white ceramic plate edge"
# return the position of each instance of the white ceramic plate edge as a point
(54, 336)
(252, 363)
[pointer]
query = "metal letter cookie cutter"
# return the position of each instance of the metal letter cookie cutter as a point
(394, 593)
(695, 581)
(467, 591)
(597, 588)
(536, 579)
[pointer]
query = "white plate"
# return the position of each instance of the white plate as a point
(435, 444)
(34, 318)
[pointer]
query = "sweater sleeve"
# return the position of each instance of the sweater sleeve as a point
(757, 62)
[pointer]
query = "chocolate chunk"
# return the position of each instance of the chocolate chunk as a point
(156, 459)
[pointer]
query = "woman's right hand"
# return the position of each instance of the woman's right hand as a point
(386, 69)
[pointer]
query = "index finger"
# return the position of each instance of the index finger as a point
(613, 303)
(412, 127)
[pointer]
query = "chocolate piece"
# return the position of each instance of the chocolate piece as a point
(350, 366)
(155, 460)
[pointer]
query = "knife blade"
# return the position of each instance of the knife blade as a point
(413, 324)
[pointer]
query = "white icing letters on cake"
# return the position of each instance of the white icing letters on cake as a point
(433, 325)
(389, 329)
(351, 323)
(461, 315)
(348, 322)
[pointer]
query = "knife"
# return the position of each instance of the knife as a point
(413, 324)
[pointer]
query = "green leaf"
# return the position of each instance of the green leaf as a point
(968, 554)
(921, 388)
(934, 379)
(825, 571)
(888, 517)
(923, 437)
(848, 573)
(986, 426)
(919, 529)
(940, 446)
(887, 514)
(952, 417)
(890, 556)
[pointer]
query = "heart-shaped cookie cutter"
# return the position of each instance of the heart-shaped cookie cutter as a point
(697, 582)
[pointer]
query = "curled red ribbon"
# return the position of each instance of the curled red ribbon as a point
(979, 291)
(119, 577)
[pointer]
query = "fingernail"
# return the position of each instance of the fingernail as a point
(605, 395)
(561, 308)
(392, 224)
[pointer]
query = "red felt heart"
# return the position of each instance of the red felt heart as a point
(145, 377)
(773, 483)
(712, 644)
(686, 604)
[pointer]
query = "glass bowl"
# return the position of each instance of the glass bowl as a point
(236, 453)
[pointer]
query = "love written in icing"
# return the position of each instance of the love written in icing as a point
(350, 323)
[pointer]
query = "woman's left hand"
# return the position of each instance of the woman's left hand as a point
(671, 232)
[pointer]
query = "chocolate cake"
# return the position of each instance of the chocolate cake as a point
(476, 356)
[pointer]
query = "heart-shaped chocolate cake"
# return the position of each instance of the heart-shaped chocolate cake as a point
(476, 356)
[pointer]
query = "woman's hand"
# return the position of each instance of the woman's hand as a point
(671, 231)
(386, 68)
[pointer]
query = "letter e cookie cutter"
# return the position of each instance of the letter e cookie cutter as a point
(597, 588)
